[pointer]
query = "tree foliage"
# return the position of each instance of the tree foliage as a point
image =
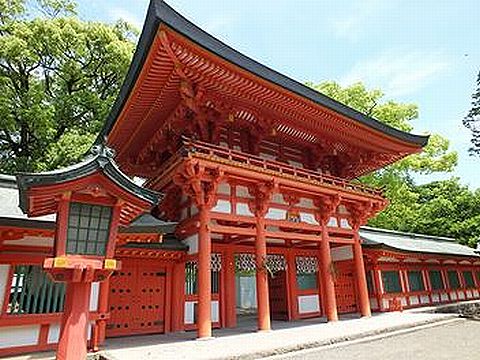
(58, 79)
(442, 208)
(472, 120)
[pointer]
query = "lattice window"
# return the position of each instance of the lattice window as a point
(436, 280)
(468, 278)
(32, 292)
(88, 229)
(307, 268)
(245, 263)
(453, 279)
(415, 281)
(306, 264)
(191, 278)
(391, 281)
(276, 262)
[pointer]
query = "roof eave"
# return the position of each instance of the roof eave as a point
(97, 163)
(160, 13)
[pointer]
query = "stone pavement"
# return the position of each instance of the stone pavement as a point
(243, 343)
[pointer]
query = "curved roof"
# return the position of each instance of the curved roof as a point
(161, 13)
(102, 161)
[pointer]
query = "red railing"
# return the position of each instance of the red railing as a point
(215, 152)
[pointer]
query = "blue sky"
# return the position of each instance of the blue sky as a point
(424, 52)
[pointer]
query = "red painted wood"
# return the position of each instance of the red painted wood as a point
(230, 290)
(137, 299)
(75, 322)
(326, 266)
(277, 294)
(345, 288)
(204, 316)
(178, 298)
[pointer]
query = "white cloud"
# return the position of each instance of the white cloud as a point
(398, 72)
(117, 13)
(218, 24)
(352, 22)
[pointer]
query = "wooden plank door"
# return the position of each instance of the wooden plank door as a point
(137, 299)
(277, 291)
(345, 290)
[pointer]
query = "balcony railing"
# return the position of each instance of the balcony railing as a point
(218, 153)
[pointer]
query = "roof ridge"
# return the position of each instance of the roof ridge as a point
(409, 234)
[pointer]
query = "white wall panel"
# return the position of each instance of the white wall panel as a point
(424, 299)
(189, 312)
(53, 333)
(243, 209)
(342, 253)
(215, 309)
(192, 243)
(4, 270)
(414, 300)
(223, 206)
(308, 304)
(19, 336)
(308, 218)
(94, 293)
(276, 214)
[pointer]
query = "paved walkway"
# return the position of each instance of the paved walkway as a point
(455, 340)
(243, 343)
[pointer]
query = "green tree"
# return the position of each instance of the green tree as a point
(58, 79)
(396, 179)
(447, 208)
(472, 120)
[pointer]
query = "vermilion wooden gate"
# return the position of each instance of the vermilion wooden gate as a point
(137, 298)
(345, 289)
(277, 288)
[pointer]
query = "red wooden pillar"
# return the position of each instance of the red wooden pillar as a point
(262, 194)
(327, 278)
(292, 285)
(230, 291)
(73, 334)
(99, 331)
(178, 298)
(204, 316)
(263, 302)
(428, 285)
(363, 299)
(378, 286)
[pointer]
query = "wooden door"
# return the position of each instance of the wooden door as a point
(345, 289)
(137, 299)
(277, 291)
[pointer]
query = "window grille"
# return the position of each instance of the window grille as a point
(307, 268)
(415, 281)
(391, 281)
(88, 229)
(468, 278)
(191, 272)
(436, 280)
(32, 292)
(453, 279)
